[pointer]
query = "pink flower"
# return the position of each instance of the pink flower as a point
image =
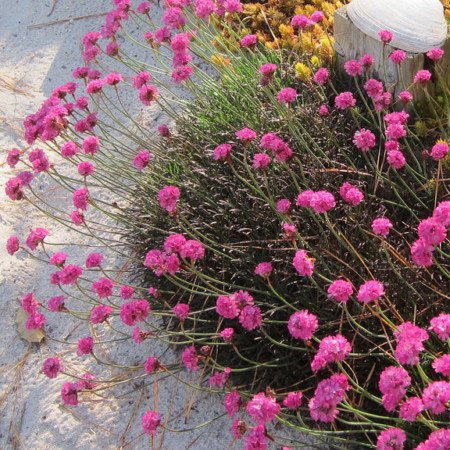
(69, 393)
(80, 198)
(190, 358)
(246, 135)
(94, 86)
(395, 131)
(227, 334)
(250, 317)
(58, 259)
(327, 395)
(367, 61)
(91, 145)
(383, 101)
(100, 313)
(261, 161)
(13, 188)
(13, 157)
(134, 311)
(381, 226)
(56, 304)
(435, 54)
(302, 325)
(287, 95)
(304, 199)
(256, 439)
(182, 73)
(442, 365)
(303, 264)
(439, 151)
(29, 303)
(374, 88)
(431, 231)
(150, 422)
(353, 68)
(396, 159)
(94, 260)
(180, 42)
(85, 168)
(386, 36)
(80, 72)
(393, 383)
(422, 76)
(364, 139)
(351, 194)
(264, 269)
(300, 21)
(51, 367)
(143, 8)
(331, 349)
(162, 35)
(126, 292)
(442, 213)
(238, 428)
(232, 403)
(322, 201)
(85, 346)
(317, 16)
(345, 100)
(219, 378)
(35, 321)
(422, 253)
(151, 365)
(249, 41)
(141, 79)
(181, 311)
(168, 197)
(69, 149)
(140, 161)
(86, 382)
(441, 326)
(397, 56)
(70, 274)
(323, 111)
(391, 439)
(293, 400)
(409, 343)
(411, 408)
(340, 290)
(222, 152)
(113, 78)
(263, 409)
(174, 18)
(163, 130)
(370, 291)
(36, 237)
(139, 336)
(174, 243)
(436, 395)
(12, 245)
(148, 94)
(283, 206)
(268, 69)
(405, 97)
(192, 249)
(204, 8)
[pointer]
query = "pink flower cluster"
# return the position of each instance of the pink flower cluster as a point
(441, 326)
(364, 139)
(35, 320)
(432, 231)
(303, 264)
(340, 290)
(278, 147)
(370, 291)
(240, 304)
(134, 311)
(190, 358)
(168, 197)
(320, 201)
(393, 383)
(327, 395)
(302, 325)
(409, 343)
(150, 422)
(351, 194)
(262, 408)
(391, 439)
(331, 349)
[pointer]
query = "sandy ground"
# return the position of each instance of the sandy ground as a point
(39, 48)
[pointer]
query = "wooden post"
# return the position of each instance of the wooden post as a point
(352, 43)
